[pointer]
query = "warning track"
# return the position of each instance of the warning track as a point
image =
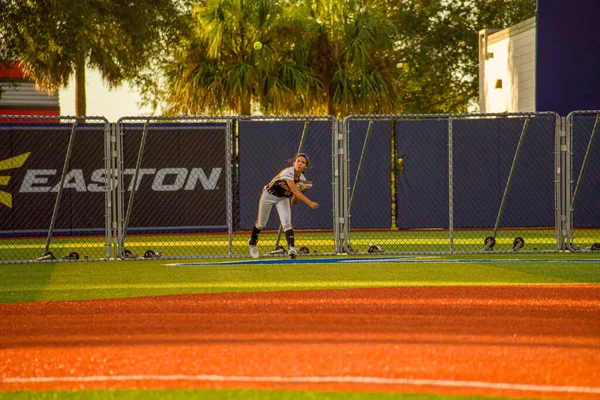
(522, 341)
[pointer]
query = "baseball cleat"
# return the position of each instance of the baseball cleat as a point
(293, 253)
(253, 250)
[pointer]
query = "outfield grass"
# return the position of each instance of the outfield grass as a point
(118, 279)
(122, 279)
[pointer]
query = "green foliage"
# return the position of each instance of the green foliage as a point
(216, 68)
(319, 56)
(334, 56)
(438, 49)
(354, 40)
(56, 39)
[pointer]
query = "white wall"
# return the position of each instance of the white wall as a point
(508, 57)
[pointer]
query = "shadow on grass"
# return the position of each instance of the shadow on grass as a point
(24, 282)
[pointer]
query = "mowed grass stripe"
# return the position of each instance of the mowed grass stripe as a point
(228, 285)
(123, 279)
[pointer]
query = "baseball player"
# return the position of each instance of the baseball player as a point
(284, 190)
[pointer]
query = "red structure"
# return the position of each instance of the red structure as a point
(19, 95)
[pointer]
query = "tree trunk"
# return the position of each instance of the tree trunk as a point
(80, 102)
(244, 106)
(331, 108)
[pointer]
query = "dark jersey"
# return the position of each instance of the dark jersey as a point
(278, 185)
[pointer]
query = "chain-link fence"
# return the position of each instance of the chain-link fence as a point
(267, 145)
(54, 200)
(78, 188)
(174, 187)
(583, 163)
(189, 187)
(451, 183)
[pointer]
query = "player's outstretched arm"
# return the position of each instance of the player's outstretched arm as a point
(298, 195)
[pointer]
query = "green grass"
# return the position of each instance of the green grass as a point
(118, 279)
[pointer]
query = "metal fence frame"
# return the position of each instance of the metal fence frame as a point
(120, 222)
(572, 184)
(336, 154)
(123, 211)
(345, 224)
(565, 186)
(76, 253)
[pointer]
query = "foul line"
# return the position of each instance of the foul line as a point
(354, 260)
(314, 379)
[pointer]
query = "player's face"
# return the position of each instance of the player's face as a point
(300, 164)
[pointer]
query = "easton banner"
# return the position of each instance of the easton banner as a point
(180, 183)
(32, 159)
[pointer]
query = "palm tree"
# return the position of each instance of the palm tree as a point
(325, 56)
(352, 44)
(217, 69)
(55, 40)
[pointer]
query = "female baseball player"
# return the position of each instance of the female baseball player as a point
(282, 192)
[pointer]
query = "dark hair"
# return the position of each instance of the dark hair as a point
(291, 160)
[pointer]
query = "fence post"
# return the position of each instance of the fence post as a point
(110, 203)
(564, 181)
(229, 154)
(450, 187)
(342, 172)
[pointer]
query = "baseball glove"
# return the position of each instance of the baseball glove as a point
(303, 185)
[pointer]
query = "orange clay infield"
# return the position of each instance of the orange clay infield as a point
(513, 341)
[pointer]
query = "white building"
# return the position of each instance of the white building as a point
(507, 62)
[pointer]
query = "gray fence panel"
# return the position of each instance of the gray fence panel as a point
(371, 193)
(55, 202)
(584, 184)
(504, 181)
(180, 204)
(479, 173)
(416, 152)
(460, 179)
(422, 194)
(266, 144)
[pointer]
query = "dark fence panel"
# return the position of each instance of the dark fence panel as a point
(265, 147)
(587, 201)
(40, 218)
(483, 152)
(33, 185)
(181, 181)
(370, 188)
(422, 195)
